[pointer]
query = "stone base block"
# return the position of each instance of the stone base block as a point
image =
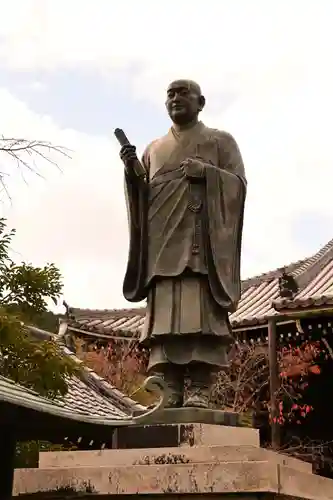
(198, 415)
(190, 434)
(181, 479)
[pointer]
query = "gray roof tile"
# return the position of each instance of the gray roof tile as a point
(91, 394)
(80, 405)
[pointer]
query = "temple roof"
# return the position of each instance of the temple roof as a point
(261, 299)
(27, 415)
(90, 394)
(91, 406)
(317, 293)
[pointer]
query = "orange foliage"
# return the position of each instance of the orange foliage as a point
(296, 362)
(122, 364)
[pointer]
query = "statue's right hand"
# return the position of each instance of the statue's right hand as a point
(128, 155)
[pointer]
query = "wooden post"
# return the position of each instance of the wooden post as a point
(273, 383)
(7, 451)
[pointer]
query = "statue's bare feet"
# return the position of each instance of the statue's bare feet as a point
(174, 380)
(197, 401)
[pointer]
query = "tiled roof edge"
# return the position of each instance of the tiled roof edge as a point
(93, 331)
(90, 377)
(115, 312)
(323, 302)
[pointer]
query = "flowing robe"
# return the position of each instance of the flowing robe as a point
(185, 243)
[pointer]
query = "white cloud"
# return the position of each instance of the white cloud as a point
(274, 56)
(37, 86)
(75, 218)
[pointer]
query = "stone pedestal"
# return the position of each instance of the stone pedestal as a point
(173, 427)
(216, 459)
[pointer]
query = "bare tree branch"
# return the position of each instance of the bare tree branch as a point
(25, 153)
(240, 387)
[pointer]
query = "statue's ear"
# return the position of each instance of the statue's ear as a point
(202, 102)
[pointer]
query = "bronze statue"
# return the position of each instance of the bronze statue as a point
(185, 218)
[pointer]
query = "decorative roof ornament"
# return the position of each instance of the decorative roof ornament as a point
(65, 336)
(288, 286)
(69, 311)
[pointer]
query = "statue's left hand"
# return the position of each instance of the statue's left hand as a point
(193, 168)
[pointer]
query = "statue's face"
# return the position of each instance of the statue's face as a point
(184, 102)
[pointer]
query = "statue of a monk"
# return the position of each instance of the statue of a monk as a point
(186, 219)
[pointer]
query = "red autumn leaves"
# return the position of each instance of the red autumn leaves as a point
(296, 362)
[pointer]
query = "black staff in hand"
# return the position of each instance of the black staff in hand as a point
(128, 154)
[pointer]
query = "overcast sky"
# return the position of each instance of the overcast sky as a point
(73, 70)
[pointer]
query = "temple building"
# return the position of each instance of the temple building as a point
(283, 309)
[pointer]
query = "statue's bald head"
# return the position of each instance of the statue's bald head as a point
(189, 84)
(184, 101)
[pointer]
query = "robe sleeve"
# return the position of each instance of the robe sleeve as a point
(231, 158)
(226, 192)
(136, 193)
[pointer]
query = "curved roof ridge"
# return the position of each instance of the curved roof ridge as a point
(310, 261)
(296, 268)
(270, 275)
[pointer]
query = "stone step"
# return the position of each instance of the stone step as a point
(198, 478)
(152, 479)
(174, 455)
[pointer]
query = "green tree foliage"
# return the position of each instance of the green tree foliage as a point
(24, 292)
(38, 365)
(25, 289)
(47, 321)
